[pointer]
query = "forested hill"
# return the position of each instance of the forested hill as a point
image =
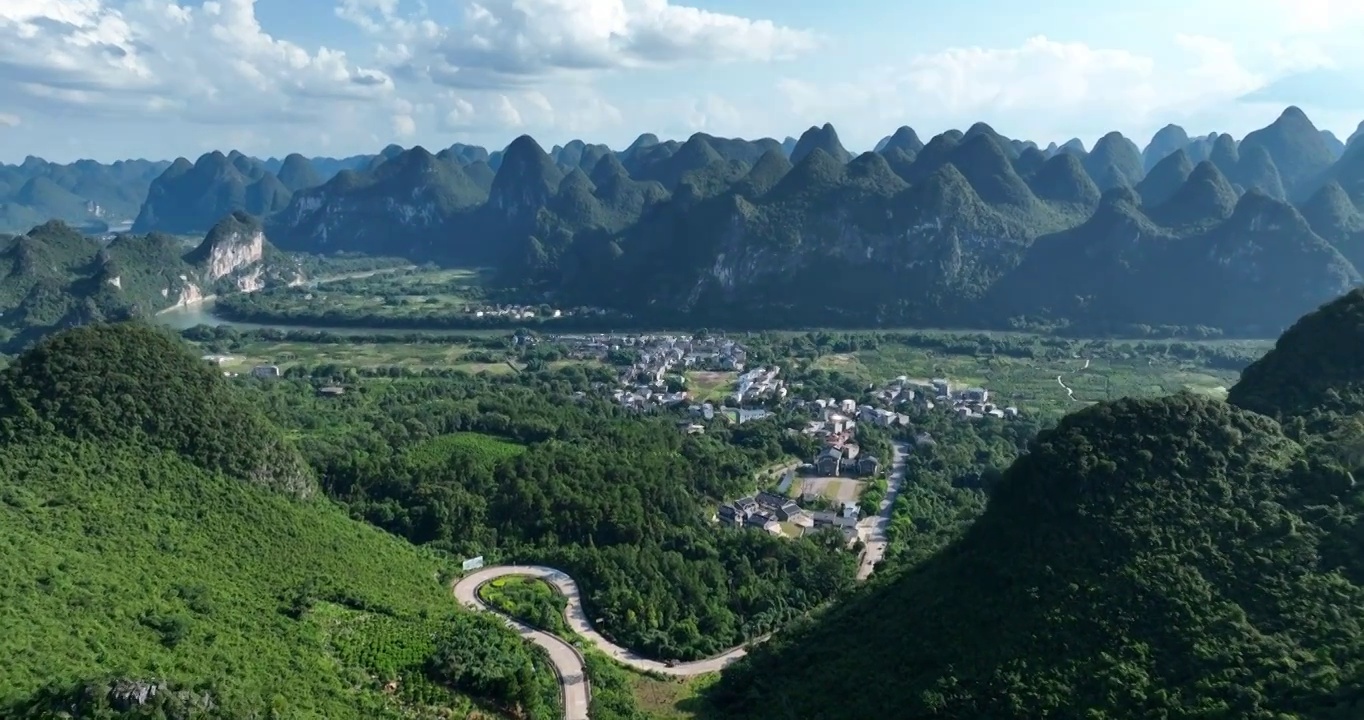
(159, 562)
(133, 383)
(1176, 557)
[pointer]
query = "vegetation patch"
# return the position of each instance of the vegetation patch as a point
(531, 600)
(137, 562)
(673, 698)
(710, 386)
(1022, 370)
(469, 449)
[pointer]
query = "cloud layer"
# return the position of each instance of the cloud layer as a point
(204, 75)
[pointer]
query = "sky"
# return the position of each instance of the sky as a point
(113, 79)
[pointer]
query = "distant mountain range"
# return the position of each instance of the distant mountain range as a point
(966, 228)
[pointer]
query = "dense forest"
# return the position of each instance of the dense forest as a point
(514, 469)
(1173, 557)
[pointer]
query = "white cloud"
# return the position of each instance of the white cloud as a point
(574, 109)
(213, 62)
(9, 120)
(1318, 16)
(509, 43)
(404, 126)
(1049, 89)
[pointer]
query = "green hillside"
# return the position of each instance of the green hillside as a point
(140, 579)
(1170, 558)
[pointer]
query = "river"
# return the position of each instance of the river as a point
(201, 313)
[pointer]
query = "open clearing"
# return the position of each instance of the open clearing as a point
(707, 385)
(670, 699)
(835, 489)
(432, 355)
(360, 355)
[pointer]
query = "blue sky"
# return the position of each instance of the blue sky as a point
(156, 78)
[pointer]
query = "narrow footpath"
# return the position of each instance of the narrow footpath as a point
(568, 661)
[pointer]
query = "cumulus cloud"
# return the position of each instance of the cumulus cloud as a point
(205, 62)
(572, 110)
(1056, 87)
(510, 43)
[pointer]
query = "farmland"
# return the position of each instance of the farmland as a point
(405, 293)
(1094, 371)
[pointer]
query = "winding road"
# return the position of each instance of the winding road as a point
(568, 661)
(1069, 392)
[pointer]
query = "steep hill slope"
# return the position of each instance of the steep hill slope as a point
(938, 234)
(142, 582)
(54, 277)
(190, 198)
(134, 383)
(1179, 557)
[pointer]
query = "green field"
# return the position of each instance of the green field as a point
(453, 356)
(391, 295)
(671, 698)
(470, 448)
(707, 386)
(1031, 384)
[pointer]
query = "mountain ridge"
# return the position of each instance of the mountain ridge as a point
(687, 229)
(1135, 562)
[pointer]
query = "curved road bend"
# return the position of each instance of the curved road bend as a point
(567, 660)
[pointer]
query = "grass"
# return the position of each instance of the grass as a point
(708, 386)
(470, 448)
(393, 295)
(671, 699)
(362, 355)
(836, 490)
(1031, 384)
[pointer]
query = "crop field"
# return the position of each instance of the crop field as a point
(398, 293)
(1032, 384)
(432, 355)
(405, 293)
(360, 355)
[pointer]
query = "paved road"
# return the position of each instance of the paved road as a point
(569, 662)
(873, 529)
(466, 590)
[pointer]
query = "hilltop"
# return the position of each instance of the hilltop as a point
(54, 276)
(132, 383)
(966, 228)
(1146, 558)
(84, 194)
(153, 568)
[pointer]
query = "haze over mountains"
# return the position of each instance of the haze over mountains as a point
(964, 228)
